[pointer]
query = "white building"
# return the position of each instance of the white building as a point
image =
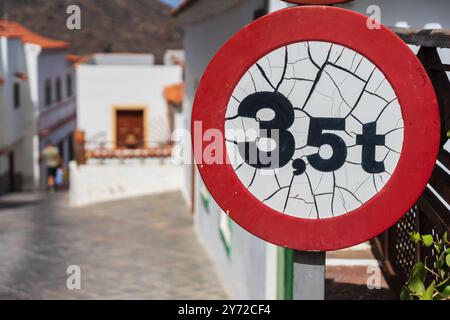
(248, 265)
(120, 97)
(37, 104)
(127, 110)
(251, 268)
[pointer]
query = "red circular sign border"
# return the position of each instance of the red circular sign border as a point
(317, 2)
(420, 146)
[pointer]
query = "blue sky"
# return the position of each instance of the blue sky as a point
(173, 3)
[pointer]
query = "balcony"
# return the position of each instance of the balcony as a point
(101, 151)
(53, 117)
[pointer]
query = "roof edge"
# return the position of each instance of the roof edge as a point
(12, 29)
(182, 7)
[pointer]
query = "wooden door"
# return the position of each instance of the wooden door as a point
(130, 129)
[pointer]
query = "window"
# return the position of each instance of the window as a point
(58, 90)
(48, 92)
(16, 95)
(69, 85)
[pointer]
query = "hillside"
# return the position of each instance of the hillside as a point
(139, 26)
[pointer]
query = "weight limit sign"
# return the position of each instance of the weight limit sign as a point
(329, 131)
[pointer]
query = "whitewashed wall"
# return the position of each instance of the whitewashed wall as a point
(94, 183)
(250, 269)
(430, 14)
(16, 124)
(100, 88)
(12, 119)
(52, 65)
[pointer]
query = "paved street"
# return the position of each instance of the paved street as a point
(142, 248)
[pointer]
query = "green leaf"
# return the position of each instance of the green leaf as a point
(416, 282)
(428, 294)
(445, 237)
(427, 240)
(415, 237)
(447, 260)
(441, 261)
(437, 248)
(446, 292)
(443, 283)
(405, 294)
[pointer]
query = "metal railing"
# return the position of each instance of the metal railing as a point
(86, 150)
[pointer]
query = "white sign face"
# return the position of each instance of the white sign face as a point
(326, 127)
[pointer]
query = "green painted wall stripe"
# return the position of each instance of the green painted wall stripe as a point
(285, 273)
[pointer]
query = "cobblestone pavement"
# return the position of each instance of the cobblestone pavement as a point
(143, 248)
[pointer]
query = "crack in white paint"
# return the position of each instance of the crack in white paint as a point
(320, 80)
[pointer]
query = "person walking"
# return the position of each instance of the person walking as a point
(52, 160)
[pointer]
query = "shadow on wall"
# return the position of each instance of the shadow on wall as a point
(6, 185)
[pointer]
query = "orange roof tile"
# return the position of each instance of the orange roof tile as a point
(175, 93)
(11, 29)
(74, 58)
(21, 76)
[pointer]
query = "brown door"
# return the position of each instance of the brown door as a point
(130, 129)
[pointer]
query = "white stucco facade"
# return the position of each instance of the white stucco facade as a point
(98, 182)
(107, 85)
(105, 88)
(250, 267)
(249, 264)
(15, 117)
(29, 115)
(431, 14)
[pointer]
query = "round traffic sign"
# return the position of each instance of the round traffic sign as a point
(329, 130)
(318, 2)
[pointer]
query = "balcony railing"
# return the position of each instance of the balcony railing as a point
(164, 151)
(56, 114)
(86, 150)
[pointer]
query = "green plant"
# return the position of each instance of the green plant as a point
(426, 283)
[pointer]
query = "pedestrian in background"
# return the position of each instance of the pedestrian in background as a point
(52, 159)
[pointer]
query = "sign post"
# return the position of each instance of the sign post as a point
(309, 275)
(315, 133)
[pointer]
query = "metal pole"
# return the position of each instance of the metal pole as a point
(309, 275)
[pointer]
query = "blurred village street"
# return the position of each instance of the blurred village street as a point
(144, 248)
(91, 174)
(140, 248)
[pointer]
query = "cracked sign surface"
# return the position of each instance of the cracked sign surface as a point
(332, 121)
(325, 132)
